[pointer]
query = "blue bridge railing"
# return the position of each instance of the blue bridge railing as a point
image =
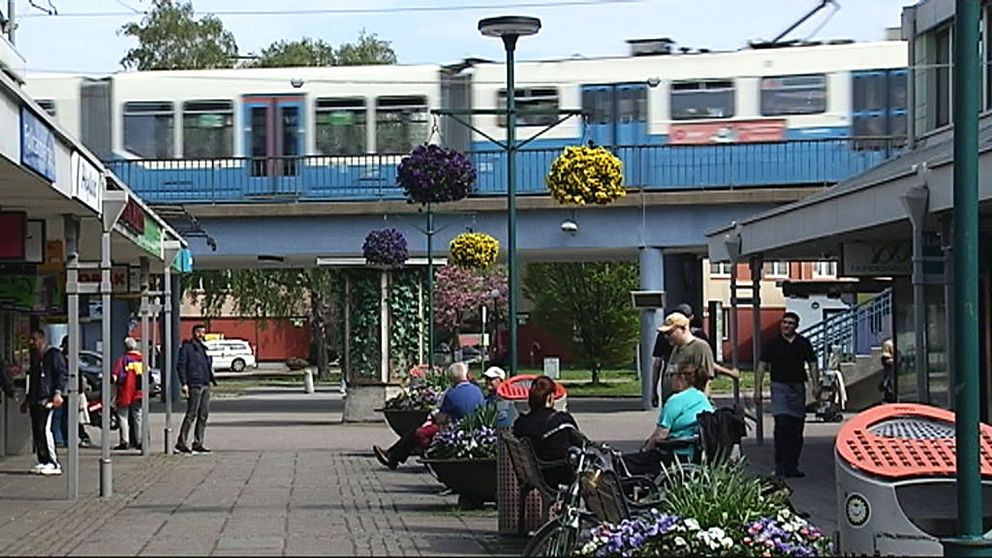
(373, 177)
(853, 332)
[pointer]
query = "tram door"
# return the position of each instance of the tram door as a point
(274, 142)
(617, 114)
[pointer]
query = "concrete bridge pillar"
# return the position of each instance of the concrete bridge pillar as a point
(652, 268)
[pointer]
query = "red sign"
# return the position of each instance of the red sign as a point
(741, 131)
(13, 233)
(133, 217)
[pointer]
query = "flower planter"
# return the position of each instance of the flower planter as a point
(474, 480)
(405, 420)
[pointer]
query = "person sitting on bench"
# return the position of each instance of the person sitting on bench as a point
(551, 433)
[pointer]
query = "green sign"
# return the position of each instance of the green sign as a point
(336, 118)
(211, 121)
(151, 239)
(37, 293)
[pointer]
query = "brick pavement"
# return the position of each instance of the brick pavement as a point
(287, 478)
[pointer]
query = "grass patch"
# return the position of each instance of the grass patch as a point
(237, 386)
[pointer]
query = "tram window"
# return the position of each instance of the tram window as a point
(869, 91)
(632, 104)
(799, 94)
(208, 129)
(711, 99)
(596, 103)
(148, 129)
(543, 99)
(48, 106)
(341, 126)
(400, 123)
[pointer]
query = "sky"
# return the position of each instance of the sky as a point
(427, 32)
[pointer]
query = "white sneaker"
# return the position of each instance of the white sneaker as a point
(36, 470)
(50, 469)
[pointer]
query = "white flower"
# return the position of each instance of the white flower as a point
(692, 524)
(679, 541)
(727, 542)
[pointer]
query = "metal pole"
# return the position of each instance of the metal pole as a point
(734, 325)
(430, 286)
(965, 308)
(11, 24)
(167, 349)
(146, 362)
(106, 466)
(72, 387)
(510, 42)
(920, 317)
(759, 427)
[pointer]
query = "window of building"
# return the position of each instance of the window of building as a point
(709, 99)
(341, 126)
(208, 129)
(148, 129)
(48, 106)
(939, 86)
(800, 94)
(825, 269)
(719, 269)
(400, 123)
(531, 99)
(878, 108)
(778, 269)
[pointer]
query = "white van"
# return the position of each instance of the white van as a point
(231, 354)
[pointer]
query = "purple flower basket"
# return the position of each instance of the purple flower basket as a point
(433, 174)
(386, 247)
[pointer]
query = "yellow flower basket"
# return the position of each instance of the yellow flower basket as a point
(585, 175)
(474, 250)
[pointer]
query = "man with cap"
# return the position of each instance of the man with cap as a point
(663, 350)
(505, 411)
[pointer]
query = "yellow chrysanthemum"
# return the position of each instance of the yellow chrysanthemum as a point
(584, 175)
(475, 250)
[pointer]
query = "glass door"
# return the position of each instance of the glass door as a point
(274, 142)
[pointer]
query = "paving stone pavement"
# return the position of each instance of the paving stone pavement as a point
(288, 478)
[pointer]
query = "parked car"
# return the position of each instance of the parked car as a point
(91, 369)
(231, 354)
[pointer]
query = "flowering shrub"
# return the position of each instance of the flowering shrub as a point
(386, 247)
(432, 174)
(586, 175)
(660, 534)
(473, 437)
(459, 293)
(424, 390)
(474, 250)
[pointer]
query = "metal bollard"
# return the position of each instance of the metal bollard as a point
(308, 380)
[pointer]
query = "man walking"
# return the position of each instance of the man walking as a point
(663, 351)
(787, 354)
(127, 374)
(46, 384)
(196, 375)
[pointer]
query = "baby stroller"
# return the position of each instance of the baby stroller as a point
(831, 394)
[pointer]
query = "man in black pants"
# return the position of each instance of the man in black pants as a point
(46, 384)
(196, 374)
(787, 354)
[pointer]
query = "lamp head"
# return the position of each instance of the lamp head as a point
(569, 226)
(296, 83)
(509, 26)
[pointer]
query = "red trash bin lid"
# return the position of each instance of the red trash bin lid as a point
(907, 440)
(517, 387)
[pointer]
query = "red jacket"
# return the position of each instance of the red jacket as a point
(127, 377)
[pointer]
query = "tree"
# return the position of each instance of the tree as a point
(171, 38)
(369, 49)
(460, 293)
(305, 52)
(264, 294)
(587, 305)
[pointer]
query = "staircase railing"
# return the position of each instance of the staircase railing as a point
(855, 331)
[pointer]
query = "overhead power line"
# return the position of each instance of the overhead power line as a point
(361, 11)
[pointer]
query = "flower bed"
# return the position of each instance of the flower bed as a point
(433, 174)
(473, 437)
(386, 247)
(586, 175)
(474, 250)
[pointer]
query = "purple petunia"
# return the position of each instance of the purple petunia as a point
(432, 174)
(385, 247)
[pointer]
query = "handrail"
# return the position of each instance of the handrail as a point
(853, 332)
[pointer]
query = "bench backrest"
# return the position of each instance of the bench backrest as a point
(525, 463)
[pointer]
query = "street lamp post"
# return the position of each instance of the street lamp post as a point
(510, 28)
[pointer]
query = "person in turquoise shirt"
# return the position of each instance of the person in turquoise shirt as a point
(678, 418)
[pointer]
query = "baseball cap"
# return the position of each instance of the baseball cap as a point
(684, 309)
(674, 320)
(495, 372)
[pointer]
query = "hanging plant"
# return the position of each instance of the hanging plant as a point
(474, 250)
(586, 175)
(432, 174)
(386, 247)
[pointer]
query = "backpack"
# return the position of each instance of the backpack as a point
(720, 431)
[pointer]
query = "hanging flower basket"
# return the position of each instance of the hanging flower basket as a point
(386, 247)
(586, 175)
(432, 174)
(474, 250)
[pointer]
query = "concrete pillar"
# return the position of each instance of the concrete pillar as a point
(652, 268)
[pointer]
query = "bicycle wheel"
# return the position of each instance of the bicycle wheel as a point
(552, 539)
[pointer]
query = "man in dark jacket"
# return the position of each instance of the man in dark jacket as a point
(46, 384)
(196, 375)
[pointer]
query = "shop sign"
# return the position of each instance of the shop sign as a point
(31, 293)
(744, 131)
(133, 217)
(151, 237)
(37, 145)
(87, 183)
(888, 259)
(119, 276)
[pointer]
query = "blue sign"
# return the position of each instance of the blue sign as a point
(37, 145)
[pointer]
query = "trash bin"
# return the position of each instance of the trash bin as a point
(515, 390)
(895, 472)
